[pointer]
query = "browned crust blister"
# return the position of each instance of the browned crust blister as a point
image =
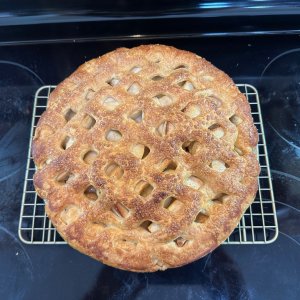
(145, 158)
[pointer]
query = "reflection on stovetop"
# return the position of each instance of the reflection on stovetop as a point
(230, 272)
(17, 84)
(280, 91)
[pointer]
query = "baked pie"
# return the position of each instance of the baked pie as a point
(145, 158)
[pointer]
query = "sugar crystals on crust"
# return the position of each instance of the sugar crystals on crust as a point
(145, 158)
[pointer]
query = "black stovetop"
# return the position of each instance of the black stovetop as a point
(269, 62)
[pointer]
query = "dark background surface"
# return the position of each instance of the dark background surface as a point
(270, 61)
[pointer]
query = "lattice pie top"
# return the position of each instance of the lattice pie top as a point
(145, 158)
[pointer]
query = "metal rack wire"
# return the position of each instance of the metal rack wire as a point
(257, 226)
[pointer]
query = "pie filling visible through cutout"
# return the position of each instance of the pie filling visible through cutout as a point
(145, 157)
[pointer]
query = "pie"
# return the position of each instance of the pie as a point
(146, 158)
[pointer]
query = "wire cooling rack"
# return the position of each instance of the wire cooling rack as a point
(257, 226)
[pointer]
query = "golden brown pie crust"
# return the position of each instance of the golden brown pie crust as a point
(145, 158)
